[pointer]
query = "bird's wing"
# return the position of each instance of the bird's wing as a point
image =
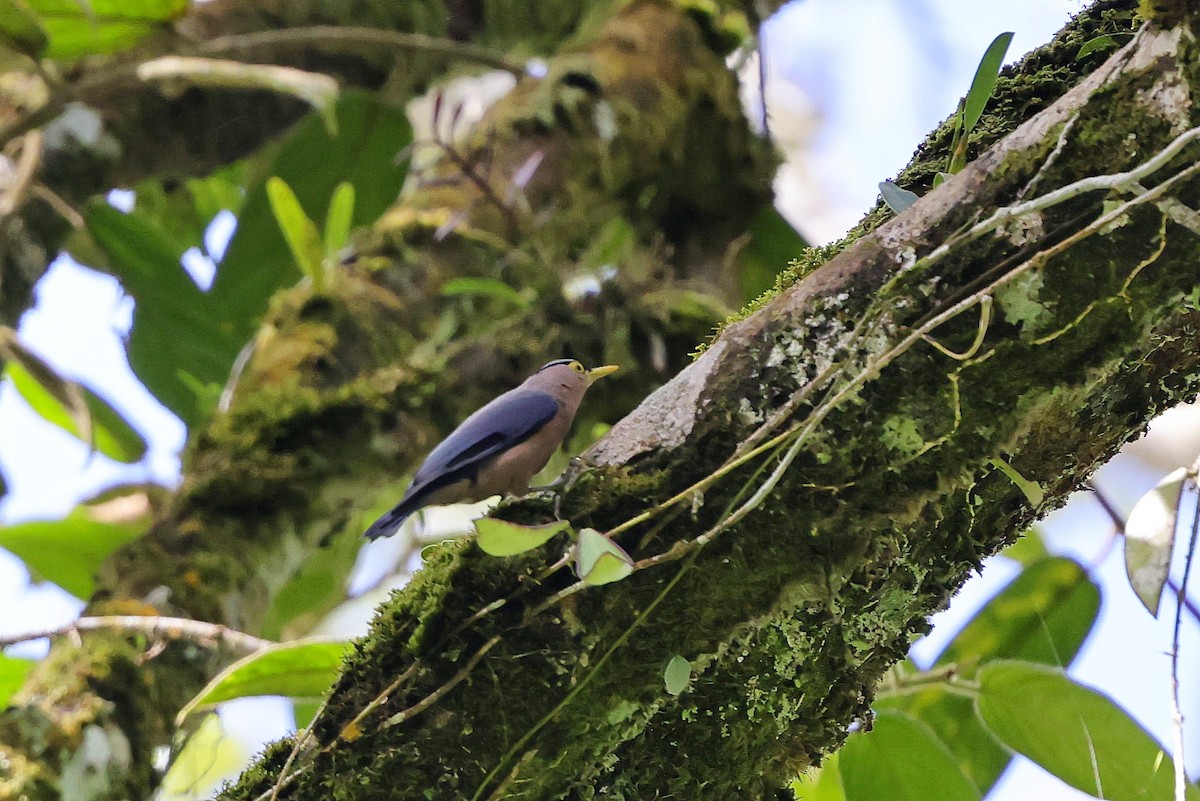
(509, 420)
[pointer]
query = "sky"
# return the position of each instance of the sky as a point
(853, 86)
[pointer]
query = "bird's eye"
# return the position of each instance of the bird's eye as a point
(577, 367)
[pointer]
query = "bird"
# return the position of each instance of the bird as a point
(499, 448)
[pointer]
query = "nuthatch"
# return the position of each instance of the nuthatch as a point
(497, 450)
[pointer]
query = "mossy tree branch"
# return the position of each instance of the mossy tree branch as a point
(790, 617)
(347, 388)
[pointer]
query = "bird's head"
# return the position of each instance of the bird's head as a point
(569, 374)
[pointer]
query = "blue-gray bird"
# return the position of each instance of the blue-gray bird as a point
(497, 450)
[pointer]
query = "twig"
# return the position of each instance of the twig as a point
(1177, 713)
(328, 37)
(450, 684)
(170, 627)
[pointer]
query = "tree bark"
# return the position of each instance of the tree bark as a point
(929, 392)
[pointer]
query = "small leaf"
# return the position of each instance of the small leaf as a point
(897, 198)
(1105, 42)
(1032, 491)
(1074, 732)
(13, 672)
(486, 287)
(339, 218)
(984, 82)
(677, 675)
(20, 28)
(503, 538)
(67, 552)
(599, 560)
(940, 178)
(299, 669)
(299, 231)
(902, 760)
(1150, 538)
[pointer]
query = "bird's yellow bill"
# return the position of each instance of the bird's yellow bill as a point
(600, 372)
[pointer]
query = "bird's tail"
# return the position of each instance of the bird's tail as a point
(386, 526)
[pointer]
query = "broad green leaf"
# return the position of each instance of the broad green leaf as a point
(300, 669)
(106, 429)
(1150, 538)
(20, 28)
(181, 343)
(599, 560)
(299, 231)
(486, 287)
(677, 675)
(90, 27)
(312, 591)
(897, 198)
(821, 784)
(13, 672)
(1074, 732)
(1044, 615)
(338, 219)
(901, 760)
(502, 538)
(984, 82)
(67, 552)
(773, 244)
(312, 163)
(208, 758)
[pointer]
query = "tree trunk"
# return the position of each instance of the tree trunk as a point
(902, 412)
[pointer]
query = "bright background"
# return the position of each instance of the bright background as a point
(852, 88)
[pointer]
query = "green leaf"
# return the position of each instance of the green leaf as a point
(312, 162)
(1150, 538)
(105, 429)
(599, 560)
(182, 342)
(503, 538)
(773, 244)
(13, 672)
(208, 757)
(313, 591)
(821, 784)
(897, 198)
(92, 27)
(1095, 45)
(485, 287)
(1043, 616)
(20, 28)
(1074, 732)
(984, 82)
(1030, 548)
(67, 552)
(338, 219)
(299, 231)
(901, 760)
(677, 675)
(300, 669)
